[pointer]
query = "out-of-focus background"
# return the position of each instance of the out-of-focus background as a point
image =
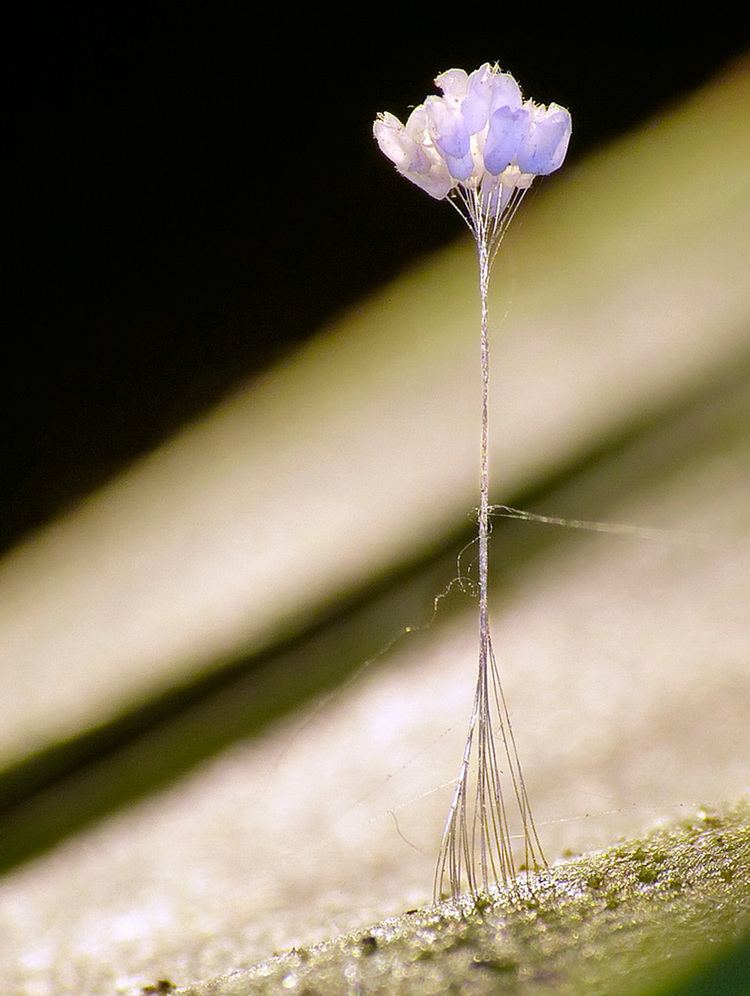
(241, 417)
(193, 197)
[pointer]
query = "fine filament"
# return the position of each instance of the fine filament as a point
(476, 847)
(479, 146)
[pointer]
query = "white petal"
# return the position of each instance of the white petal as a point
(416, 124)
(397, 145)
(452, 82)
(438, 182)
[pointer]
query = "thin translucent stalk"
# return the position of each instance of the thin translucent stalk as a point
(476, 849)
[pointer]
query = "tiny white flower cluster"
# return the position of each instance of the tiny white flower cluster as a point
(480, 137)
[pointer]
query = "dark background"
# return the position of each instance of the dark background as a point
(191, 196)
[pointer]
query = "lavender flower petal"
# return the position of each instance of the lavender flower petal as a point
(479, 136)
(507, 129)
(447, 129)
(543, 147)
(487, 91)
(460, 168)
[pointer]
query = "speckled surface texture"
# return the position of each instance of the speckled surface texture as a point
(626, 667)
(623, 920)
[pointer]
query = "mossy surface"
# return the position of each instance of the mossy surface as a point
(632, 919)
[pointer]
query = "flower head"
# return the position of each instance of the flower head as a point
(479, 141)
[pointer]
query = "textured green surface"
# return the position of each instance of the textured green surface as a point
(624, 920)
